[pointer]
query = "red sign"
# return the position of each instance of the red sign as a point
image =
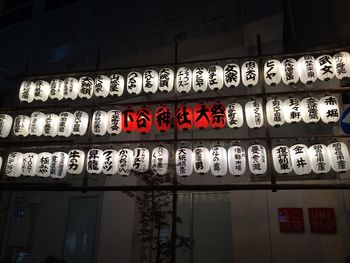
(291, 220)
(322, 220)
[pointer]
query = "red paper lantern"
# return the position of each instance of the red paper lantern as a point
(201, 114)
(163, 118)
(184, 118)
(144, 120)
(217, 116)
(128, 120)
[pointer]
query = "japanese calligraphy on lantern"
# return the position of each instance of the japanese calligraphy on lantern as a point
(200, 79)
(5, 125)
(201, 159)
(289, 71)
(217, 115)
(329, 109)
(21, 125)
(86, 87)
(42, 90)
(341, 65)
(184, 117)
(56, 90)
(99, 122)
(70, 88)
(117, 85)
(319, 158)
(128, 120)
(95, 160)
(232, 75)
(300, 159)
(183, 162)
(59, 165)
(309, 109)
(14, 164)
(236, 158)
(114, 124)
(65, 124)
(339, 157)
(166, 80)
(80, 123)
(110, 162)
(324, 67)
(51, 124)
(254, 114)
(275, 112)
(250, 73)
(218, 165)
(160, 160)
(281, 159)
(141, 159)
(134, 83)
(307, 69)
(150, 81)
(215, 77)
(292, 110)
(257, 159)
(143, 120)
(44, 164)
(76, 159)
(125, 161)
(37, 121)
(234, 115)
(201, 116)
(102, 86)
(183, 80)
(272, 73)
(29, 164)
(26, 91)
(163, 118)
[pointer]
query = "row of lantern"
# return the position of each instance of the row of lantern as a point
(307, 69)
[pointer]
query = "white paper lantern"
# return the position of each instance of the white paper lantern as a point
(250, 73)
(150, 81)
(134, 83)
(94, 163)
(42, 90)
(272, 72)
(254, 114)
(102, 86)
(37, 123)
(59, 165)
(289, 71)
(76, 159)
(65, 124)
(200, 79)
(310, 112)
(329, 109)
(44, 164)
(166, 80)
(319, 158)
(324, 67)
(183, 80)
(216, 77)
(184, 162)
(125, 161)
(86, 87)
(300, 159)
(14, 164)
(21, 125)
(141, 159)
(281, 159)
(56, 90)
(234, 115)
(5, 125)
(341, 65)
(339, 157)
(71, 88)
(80, 122)
(232, 75)
(110, 164)
(275, 112)
(26, 91)
(114, 123)
(202, 160)
(160, 160)
(292, 110)
(257, 159)
(237, 161)
(307, 69)
(218, 165)
(30, 164)
(51, 124)
(0, 162)
(117, 85)
(99, 122)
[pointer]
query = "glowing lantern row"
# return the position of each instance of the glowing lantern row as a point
(5, 125)
(250, 73)
(254, 114)
(272, 72)
(257, 159)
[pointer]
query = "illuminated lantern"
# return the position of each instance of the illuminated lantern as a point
(310, 112)
(163, 118)
(184, 118)
(234, 115)
(21, 125)
(26, 91)
(184, 162)
(14, 164)
(5, 125)
(30, 164)
(281, 159)
(44, 164)
(232, 75)
(117, 85)
(307, 69)
(87, 86)
(80, 122)
(200, 79)
(144, 120)
(59, 165)
(201, 159)
(128, 120)
(71, 88)
(272, 72)
(324, 67)
(300, 159)
(257, 159)
(99, 122)
(95, 161)
(76, 159)
(0, 162)
(114, 124)
(275, 112)
(141, 159)
(166, 80)
(42, 90)
(218, 165)
(110, 164)
(217, 116)
(216, 77)
(134, 83)
(51, 125)
(56, 90)
(65, 124)
(329, 109)
(160, 160)
(289, 71)
(201, 116)
(319, 158)
(339, 157)
(37, 122)
(254, 114)
(341, 65)
(236, 159)
(125, 161)
(102, 86)
(150, 81)
(250, 73)
(183, 80)
(292, 110)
